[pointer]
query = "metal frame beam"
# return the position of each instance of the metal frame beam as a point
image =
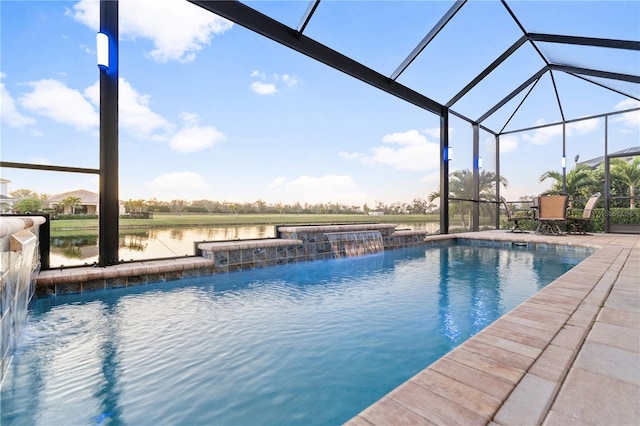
(591, 117)
(585, 41)
(476, 179)
(555, 90)
(108, 236)
(595, 73)
(313, 5)
(511, 95)
(12, 165)
(470, 121)
(515, 111)
(427, 39)
(444, 172)
(497, 207)
(255, 21)
(500, 59)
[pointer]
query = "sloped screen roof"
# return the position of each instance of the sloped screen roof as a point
(496, 63)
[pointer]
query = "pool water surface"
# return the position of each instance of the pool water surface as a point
(306, 343)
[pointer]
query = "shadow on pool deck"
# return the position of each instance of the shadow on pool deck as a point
(570, 355)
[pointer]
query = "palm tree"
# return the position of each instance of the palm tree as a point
(461, 187)
(71, 202)
(581, 182)
(628, 174)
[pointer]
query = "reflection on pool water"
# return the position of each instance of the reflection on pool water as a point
(306, 343)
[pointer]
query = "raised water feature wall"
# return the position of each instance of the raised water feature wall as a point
(304, 243)
(18, 266)
(356, 243)
(294, 244)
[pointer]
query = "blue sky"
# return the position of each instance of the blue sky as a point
(209, 110)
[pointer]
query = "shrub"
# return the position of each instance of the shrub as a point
(76, 216)
(616, 215)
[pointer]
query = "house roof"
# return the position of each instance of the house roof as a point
(86, 197)
(626, 154)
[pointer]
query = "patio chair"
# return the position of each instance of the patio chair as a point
(514, 216)
(534, 208)
(577, 224)
(552, 212)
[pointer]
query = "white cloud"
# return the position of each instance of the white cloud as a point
(410, 137)
(10, 114)
(263, 88)
(269, 85)
(546, 135)
(55, 100)
(582, 127)
(321, 189)
(258, 74)
(628, 119)
(279, 181)
(289, 80)
(178, 29)
(190, 118)
(408, 150)
(187, 184)
(193, 137)
(134, 112)
(508, 143)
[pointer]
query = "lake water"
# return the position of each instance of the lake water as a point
(168, 242)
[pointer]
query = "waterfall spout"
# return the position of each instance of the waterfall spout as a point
(358, 243)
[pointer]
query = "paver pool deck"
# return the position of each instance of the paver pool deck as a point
(569, 355)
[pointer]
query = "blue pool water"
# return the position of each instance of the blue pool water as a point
(307, 343)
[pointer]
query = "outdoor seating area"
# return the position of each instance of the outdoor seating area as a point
(552, 212)
(576, 225)
(514, 217)
(553, 215)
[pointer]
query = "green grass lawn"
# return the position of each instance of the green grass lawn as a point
(169, 220)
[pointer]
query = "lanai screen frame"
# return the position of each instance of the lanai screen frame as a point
(255, 21)
(295, 39)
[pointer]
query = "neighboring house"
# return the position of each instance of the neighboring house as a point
(626, 154)
(89, 202)
(6, 202)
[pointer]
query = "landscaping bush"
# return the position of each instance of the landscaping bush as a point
(158, 208)
(616, 215)
(76, 216)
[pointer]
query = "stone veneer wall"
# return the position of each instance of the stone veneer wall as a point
(296, 244)
(19, 264)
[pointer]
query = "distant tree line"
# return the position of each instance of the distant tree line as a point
(581, 183)
(417, 206)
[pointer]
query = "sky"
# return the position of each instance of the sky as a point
(210, 110)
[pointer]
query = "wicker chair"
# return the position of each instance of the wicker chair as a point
(515, 216)
(576, 224)
(552, 212)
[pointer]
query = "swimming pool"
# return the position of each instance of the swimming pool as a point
(307, 343)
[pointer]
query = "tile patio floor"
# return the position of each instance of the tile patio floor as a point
(570, 355)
